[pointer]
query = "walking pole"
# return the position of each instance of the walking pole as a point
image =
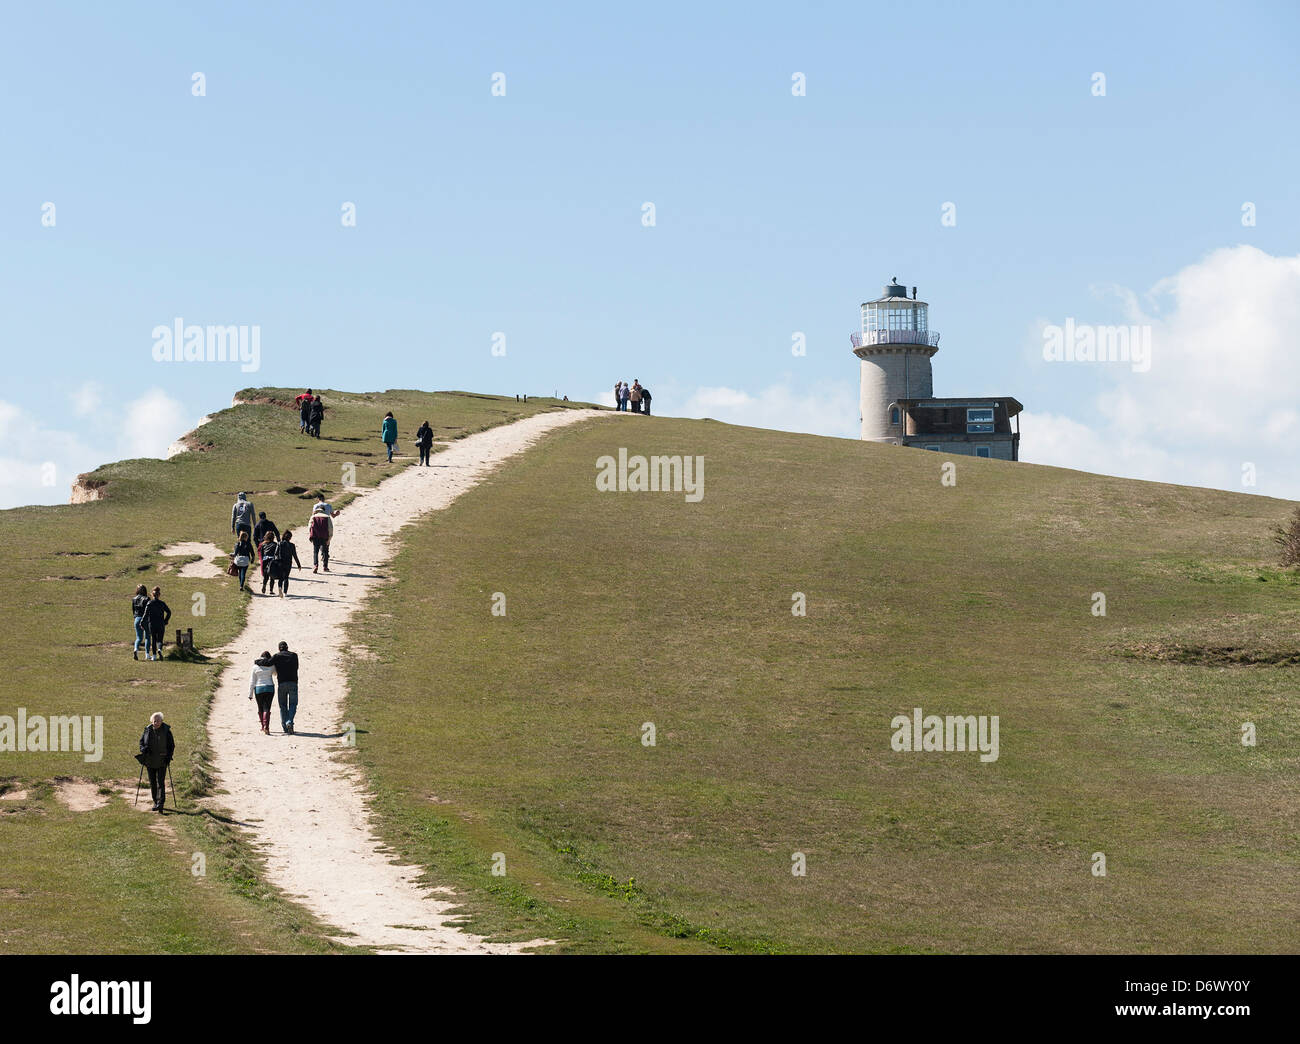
(175, 804)
(137, 786)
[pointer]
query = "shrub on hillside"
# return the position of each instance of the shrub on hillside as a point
(1288, 539)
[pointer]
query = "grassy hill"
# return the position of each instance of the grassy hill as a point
(100, 881)
(522, 733)
(1121, 734)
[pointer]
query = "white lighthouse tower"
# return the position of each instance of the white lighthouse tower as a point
(895, 346)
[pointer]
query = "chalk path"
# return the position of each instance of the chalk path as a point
(302, 800)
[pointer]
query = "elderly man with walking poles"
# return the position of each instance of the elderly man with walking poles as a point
(157, 745)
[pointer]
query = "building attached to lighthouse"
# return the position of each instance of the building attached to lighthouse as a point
(895, 346)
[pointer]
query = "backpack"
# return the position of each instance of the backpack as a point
(320, 527)
(270, 552)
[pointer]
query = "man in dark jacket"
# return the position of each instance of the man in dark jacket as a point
(304, 410)
(645, 400)
(424, 439)
(286, 676)
(157, 745)
(317, 415)
(264, 526)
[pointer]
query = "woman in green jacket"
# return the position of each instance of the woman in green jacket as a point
(389, 433)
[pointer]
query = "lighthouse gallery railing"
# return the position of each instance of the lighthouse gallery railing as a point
(926, 337)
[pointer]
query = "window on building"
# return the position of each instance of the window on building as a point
(979, 420)
(932, 449)
(893, 415)
(982, 451)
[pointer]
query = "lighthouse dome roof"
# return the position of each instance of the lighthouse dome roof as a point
(894, 291)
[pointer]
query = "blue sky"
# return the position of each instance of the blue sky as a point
(774, 213)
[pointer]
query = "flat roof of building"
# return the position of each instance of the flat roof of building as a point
(1013, 405)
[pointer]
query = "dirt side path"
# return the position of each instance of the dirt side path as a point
(303, 803)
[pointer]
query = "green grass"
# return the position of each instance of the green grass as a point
(521, 734)
(100, 881)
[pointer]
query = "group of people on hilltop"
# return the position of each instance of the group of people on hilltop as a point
(311, 411)
(633, 398)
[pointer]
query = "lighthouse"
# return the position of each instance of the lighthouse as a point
(895, 345)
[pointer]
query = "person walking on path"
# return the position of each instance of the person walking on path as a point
(287, 556)
(264, 526)
(138, 603)
(286, 675)
(389, 433)
(645, 400)
(269, 549)
(157, 614)
(618, 395)
(244, 555)
(304, 410)
(424, 439)
(320, 531)
(261, 687)
(157, 745)
(242, 515)
(317, 415)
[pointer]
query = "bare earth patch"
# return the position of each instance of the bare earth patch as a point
(301, 797)
(203, 569)
(80, 795)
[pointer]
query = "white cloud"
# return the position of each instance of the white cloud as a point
(86, 398)
(1221, 391)
(38, 463)
(151, 423)
(830, 408)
